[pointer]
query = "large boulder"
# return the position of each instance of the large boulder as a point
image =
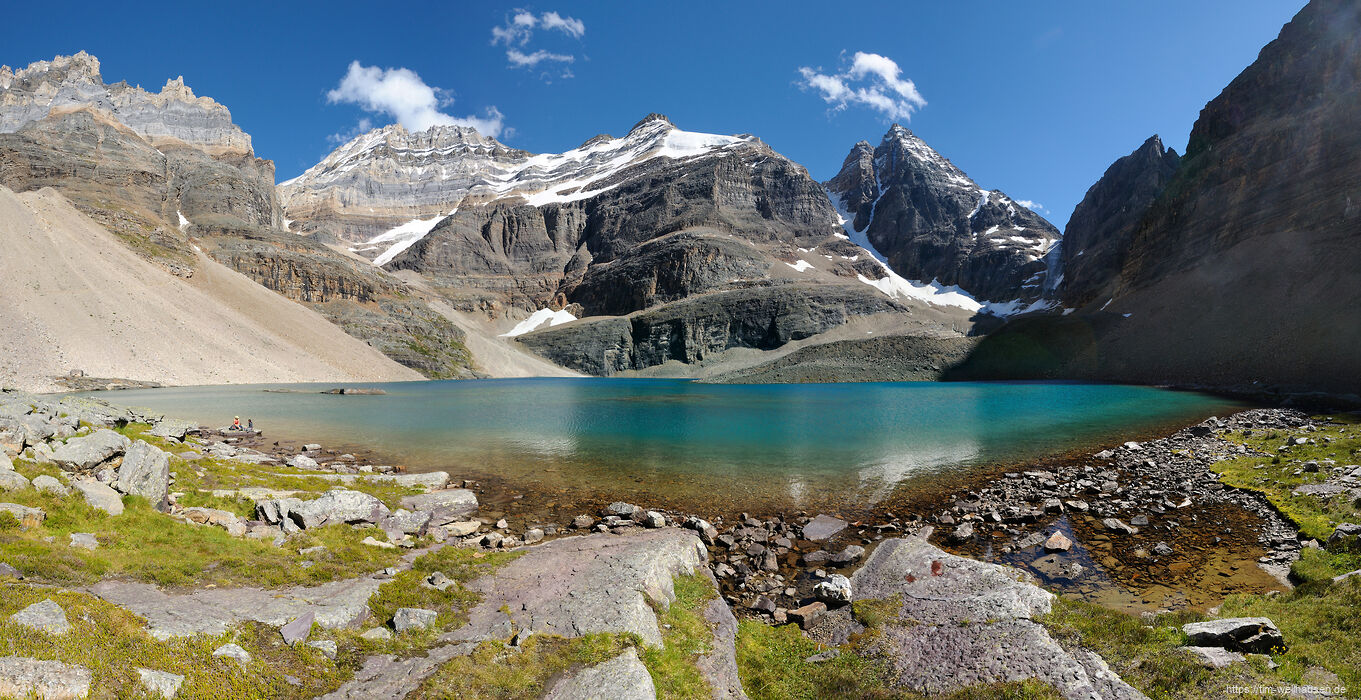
(1346, 538)
(1252, 635)
(85, 453)
(970, 623)
(11, 480)
(100, 496)
(145, 472)
(444, 506)
(339, 506)
(22, 677)
(171, 428)
(622, 678)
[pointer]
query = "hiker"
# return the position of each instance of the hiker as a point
(250, 425)
(236, 423)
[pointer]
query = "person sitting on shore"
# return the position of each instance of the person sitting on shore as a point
(236, 423)
(250, 425)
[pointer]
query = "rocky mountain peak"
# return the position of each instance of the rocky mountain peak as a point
(653, 117)
(174, 114)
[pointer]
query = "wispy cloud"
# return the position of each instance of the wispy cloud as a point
(401, 94)
(517, 31)
(1032, 206)
(871, 80)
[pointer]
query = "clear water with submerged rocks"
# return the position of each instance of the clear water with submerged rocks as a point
(686, 443)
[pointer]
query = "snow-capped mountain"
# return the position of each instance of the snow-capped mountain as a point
(930, 221)
(386, 189)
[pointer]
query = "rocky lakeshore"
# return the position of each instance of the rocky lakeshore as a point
(388, 583)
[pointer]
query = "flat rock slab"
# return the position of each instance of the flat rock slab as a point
(22, 677)
(1247, 634)
(430, 481)
(83, 453)
(444, 506)
(579, 585)
(100, 496)
(45, 616)
(823, 527)
(622, 678)
(387, 677)
(719, 666)
(334, 605)
(969, 622)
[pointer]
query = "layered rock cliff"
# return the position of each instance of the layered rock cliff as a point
(167, 172)
(929, 221)
(1244, 269)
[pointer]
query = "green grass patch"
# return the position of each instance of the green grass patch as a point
(113, 643)
(1321, 629)
(1337, 439)
(771, 663)
(146, 545)
(686, 635)
(876, 613)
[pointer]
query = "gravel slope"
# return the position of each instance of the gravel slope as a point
(75, 297)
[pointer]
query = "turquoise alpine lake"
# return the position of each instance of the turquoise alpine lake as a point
(681, 441)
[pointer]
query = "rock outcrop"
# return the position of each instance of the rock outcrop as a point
(929, 221)
(961, 622)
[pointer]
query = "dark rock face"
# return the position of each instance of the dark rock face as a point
(692, 329)
(1243, 272)
(1097, 240)
(930, 221)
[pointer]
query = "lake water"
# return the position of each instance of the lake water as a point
(683, 442)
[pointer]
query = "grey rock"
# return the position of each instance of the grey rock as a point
(145, 472)
(625, 677)
(533, 535)
(1215, 657)
(233, 652)
(577, 585)
(654, 519)
(822, 527)
(311, 447)
(100, 496)
(339, 506)
(836, 590)
(462, 529)
(404, 522)
(1058, 542)
(1346, 537)
(583, 522)
(27, 517)
(621, 509)
(11, 480)
(1115, 525)
(171, 428)
(45, 616)
(1162, 549)
(84, 540)
(303, 462)
(963, 533)
(976, 623)
(50, 484)
(444, 506)
(719, 666)
(852, 553)
(7, 571)
(231, 522)
(407, 619)
(1257, 635)
(298, 630)
(377, 634)
(85, 453)
(160, 683)
(326, 647)
(22, 677)
(808, 615)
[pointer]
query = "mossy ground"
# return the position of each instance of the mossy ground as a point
(1320, 620)
(114, 643)
(498, 670)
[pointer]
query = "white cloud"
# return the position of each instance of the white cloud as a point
(1032, 206)
(519, 30)
(401, 94)
(871, 80)
(519, 58)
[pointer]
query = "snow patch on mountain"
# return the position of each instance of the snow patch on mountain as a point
(543, 318)
(399, 238)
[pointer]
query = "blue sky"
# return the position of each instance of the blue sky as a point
(1035, 99)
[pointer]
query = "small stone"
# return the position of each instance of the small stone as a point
(45, 616)
(1139, 521)
(851, 553)
(963, 533)
(1162, 549)
(439, 581)
(621, 509)
(836, 590)
(313, 447)
(84, 540)
(654, 520)
(50, 484)
(326, 647)
(377, 634)
(166, 685)
(7, 571)
(413, 618)
(762, 604)
(824, 657)
(533, 535)
(1058, 542)
(233, 652)
(583, 522)
(808, 615)
(502, 524)
(1115, 525)
(462, 529)
(298, 630)
(1214, 657)
(822, 527)
(370, 541)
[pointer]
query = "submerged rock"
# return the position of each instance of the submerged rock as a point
(822, 527)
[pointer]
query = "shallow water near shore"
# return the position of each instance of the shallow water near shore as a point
(679, 442)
